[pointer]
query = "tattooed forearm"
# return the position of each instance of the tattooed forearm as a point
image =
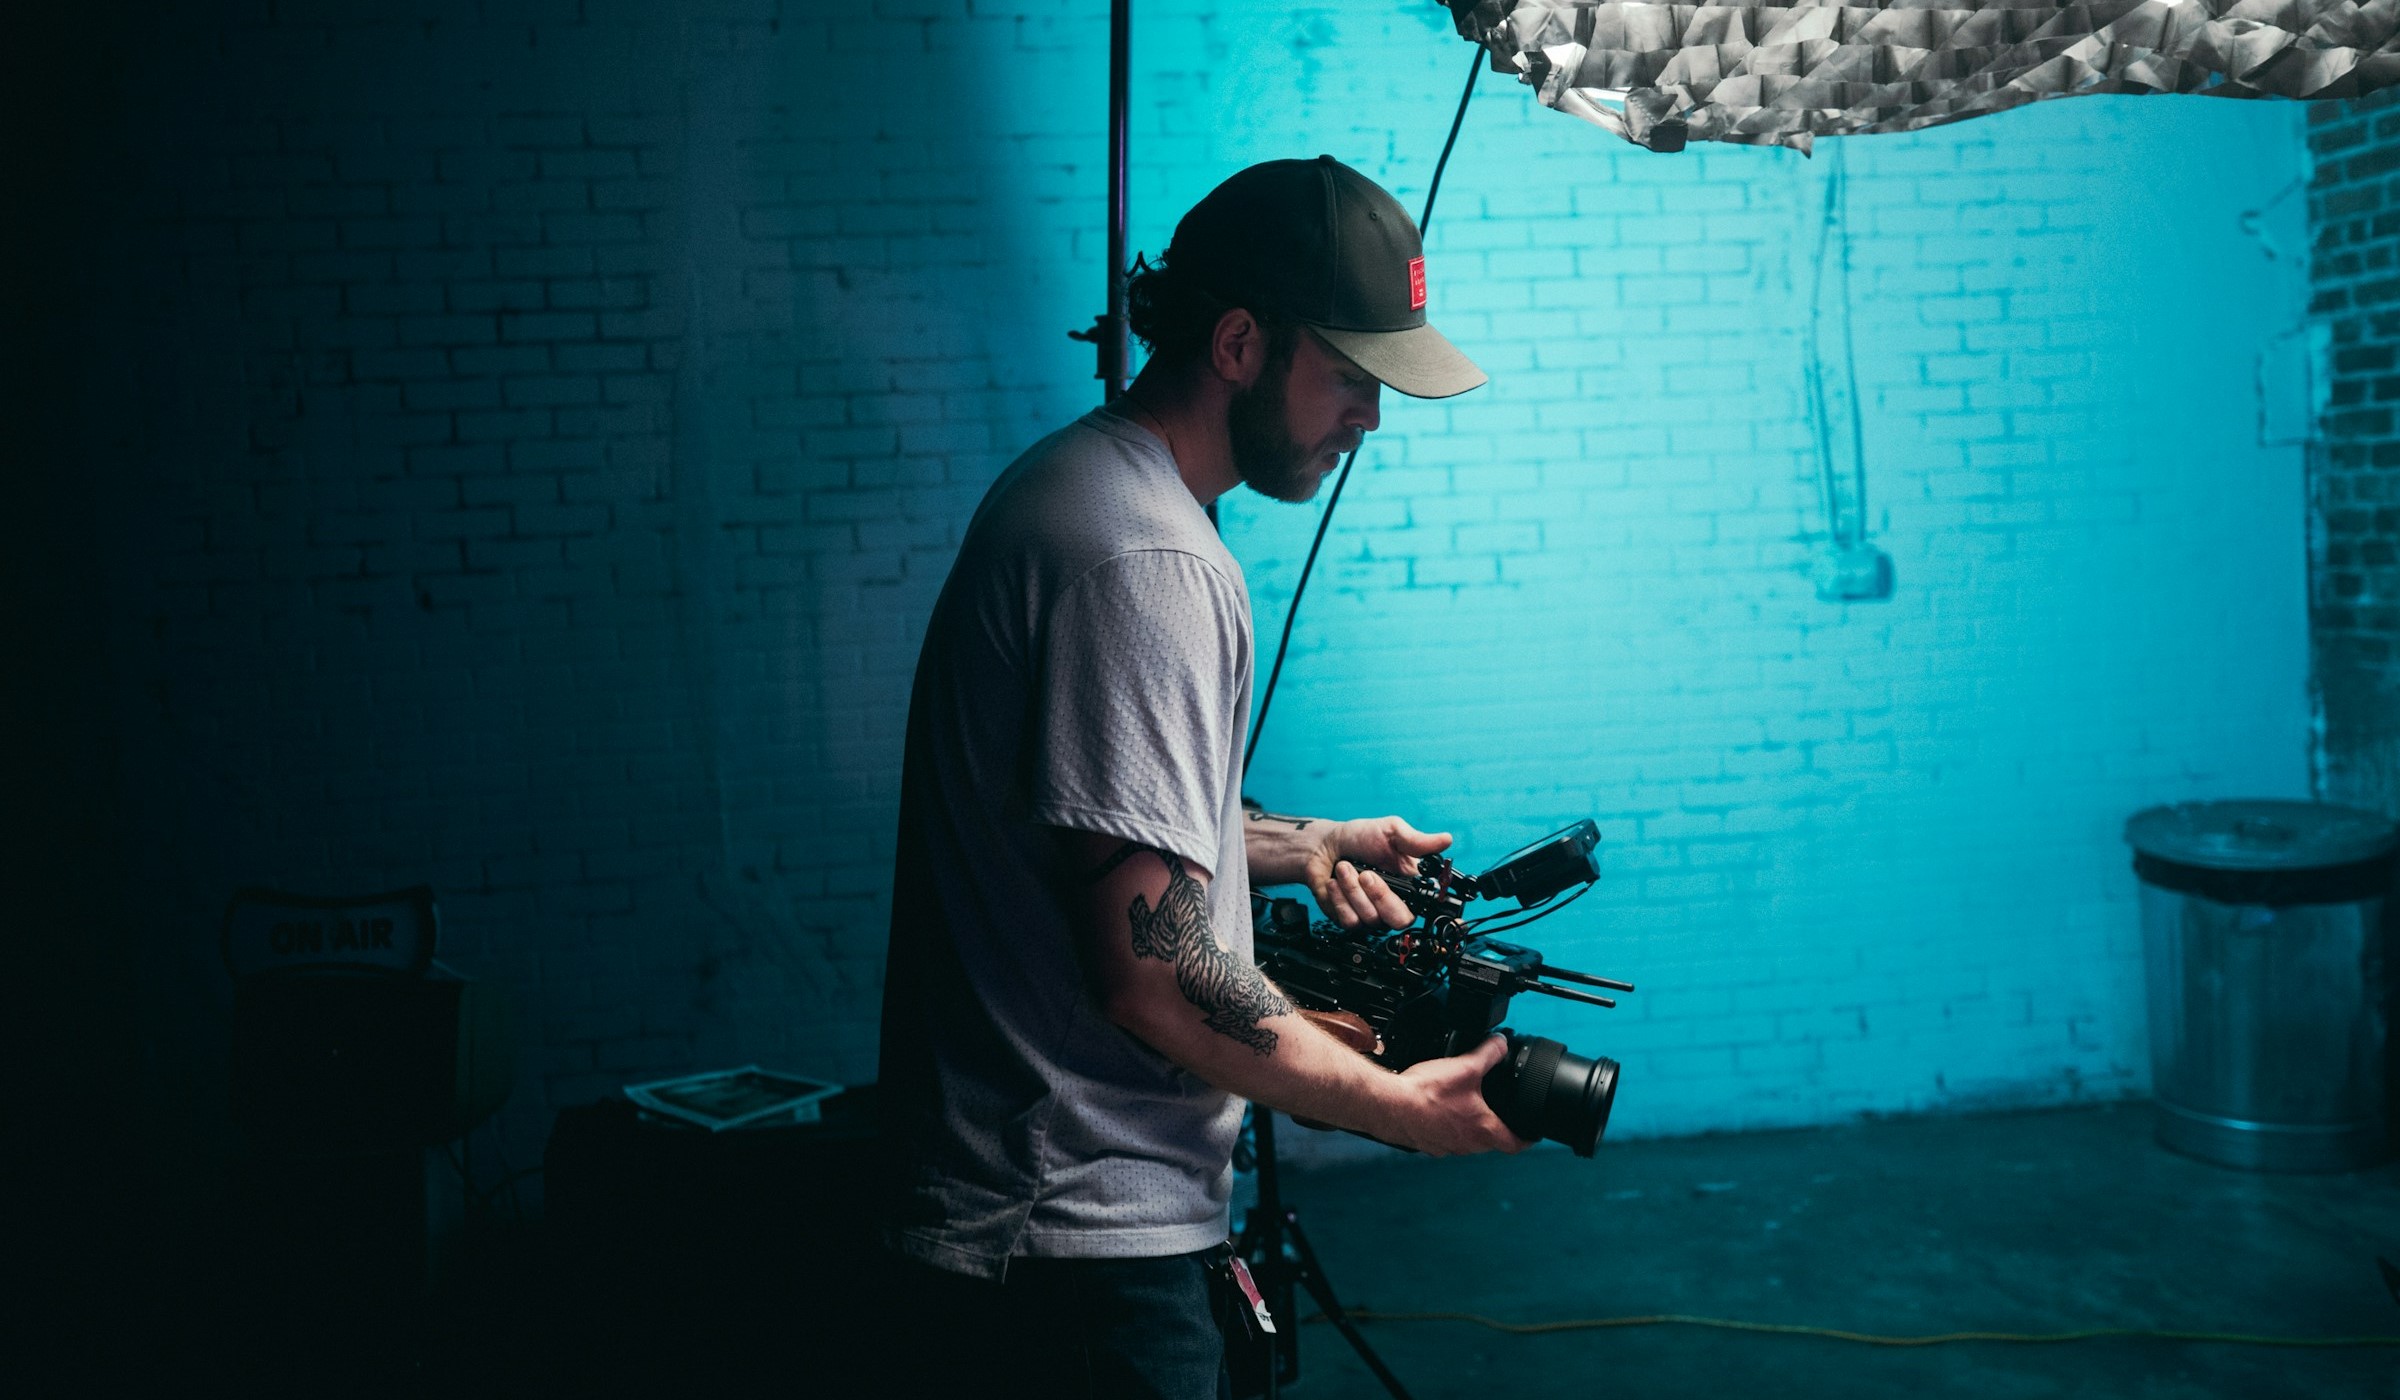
(1232, 995)
(1295, 823)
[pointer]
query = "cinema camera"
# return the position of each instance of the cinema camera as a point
(1439, 986)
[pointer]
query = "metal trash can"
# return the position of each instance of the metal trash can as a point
(2263, 930)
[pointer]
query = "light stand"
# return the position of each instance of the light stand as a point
(1282, 1261)
(1108, 330)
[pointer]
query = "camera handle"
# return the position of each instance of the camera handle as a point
(1283, 1262)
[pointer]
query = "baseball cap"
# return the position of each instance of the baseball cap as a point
(1317, 241)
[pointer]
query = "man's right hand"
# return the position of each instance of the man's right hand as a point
(1441, 1112)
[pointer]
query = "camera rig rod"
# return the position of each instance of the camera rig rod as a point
(1567, 994)
(1565, 974)
(1568, 974)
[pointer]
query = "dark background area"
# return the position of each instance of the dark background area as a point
(78, 1152)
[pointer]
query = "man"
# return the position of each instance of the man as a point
(1072, 1018)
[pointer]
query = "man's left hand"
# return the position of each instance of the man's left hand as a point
(1351, 895)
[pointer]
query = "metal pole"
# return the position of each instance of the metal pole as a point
(1120, 64)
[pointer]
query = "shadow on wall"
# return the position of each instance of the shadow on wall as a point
(526, 458)
(891, 288)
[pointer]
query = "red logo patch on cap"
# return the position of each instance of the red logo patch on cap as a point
(1416, 284)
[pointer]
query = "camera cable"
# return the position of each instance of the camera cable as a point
(1535, 914)
(1433, 191)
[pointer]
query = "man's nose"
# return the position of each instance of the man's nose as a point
(1366, 414)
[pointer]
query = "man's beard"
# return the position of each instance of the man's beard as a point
(1265, 455)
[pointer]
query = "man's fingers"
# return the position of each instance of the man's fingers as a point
(1483, 1057)
(1350, 904)
(1389, 907)
(1336, 908)
(1404, 843)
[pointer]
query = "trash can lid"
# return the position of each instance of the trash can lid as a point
(2261, 834)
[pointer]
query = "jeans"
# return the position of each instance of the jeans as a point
(1062, 1329)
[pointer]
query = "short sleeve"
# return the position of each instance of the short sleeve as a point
(1138, 706)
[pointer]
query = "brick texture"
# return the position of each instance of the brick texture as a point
(1863, 858)
(528, 439)
(2354, 594)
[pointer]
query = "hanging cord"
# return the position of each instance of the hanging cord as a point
(1833, 234)
(1820, 413)
(1432, 192)
(1334, 498)
(1858, 419)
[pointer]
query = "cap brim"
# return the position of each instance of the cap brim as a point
(1420, 362)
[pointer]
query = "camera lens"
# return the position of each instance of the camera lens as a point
(1541, 1089)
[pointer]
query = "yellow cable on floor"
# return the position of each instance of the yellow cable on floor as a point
(1588, 1324)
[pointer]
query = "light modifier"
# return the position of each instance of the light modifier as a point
(1785, 74)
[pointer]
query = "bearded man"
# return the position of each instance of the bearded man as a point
(1072, 1020)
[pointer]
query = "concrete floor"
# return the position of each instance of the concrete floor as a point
(2035, 1222)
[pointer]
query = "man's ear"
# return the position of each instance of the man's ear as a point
(1237, 348)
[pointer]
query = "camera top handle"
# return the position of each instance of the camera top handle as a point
(1438, 894)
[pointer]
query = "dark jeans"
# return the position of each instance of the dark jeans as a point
(1062, 1329)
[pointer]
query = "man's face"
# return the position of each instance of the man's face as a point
(1308, 407)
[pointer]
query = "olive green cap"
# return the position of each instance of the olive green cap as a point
(1319, 242)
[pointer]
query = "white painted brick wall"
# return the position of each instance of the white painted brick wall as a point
(539, 431)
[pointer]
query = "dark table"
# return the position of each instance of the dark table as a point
(745, 1259)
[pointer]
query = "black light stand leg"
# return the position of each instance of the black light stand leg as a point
(1261, 1244)
(1283, 1261)
(1312, 1276)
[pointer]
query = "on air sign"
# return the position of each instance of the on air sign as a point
(270, 931)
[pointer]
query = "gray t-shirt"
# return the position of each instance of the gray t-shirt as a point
(1087, 666)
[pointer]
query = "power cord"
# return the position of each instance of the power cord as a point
(1722, 1324)
(1325, 518)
